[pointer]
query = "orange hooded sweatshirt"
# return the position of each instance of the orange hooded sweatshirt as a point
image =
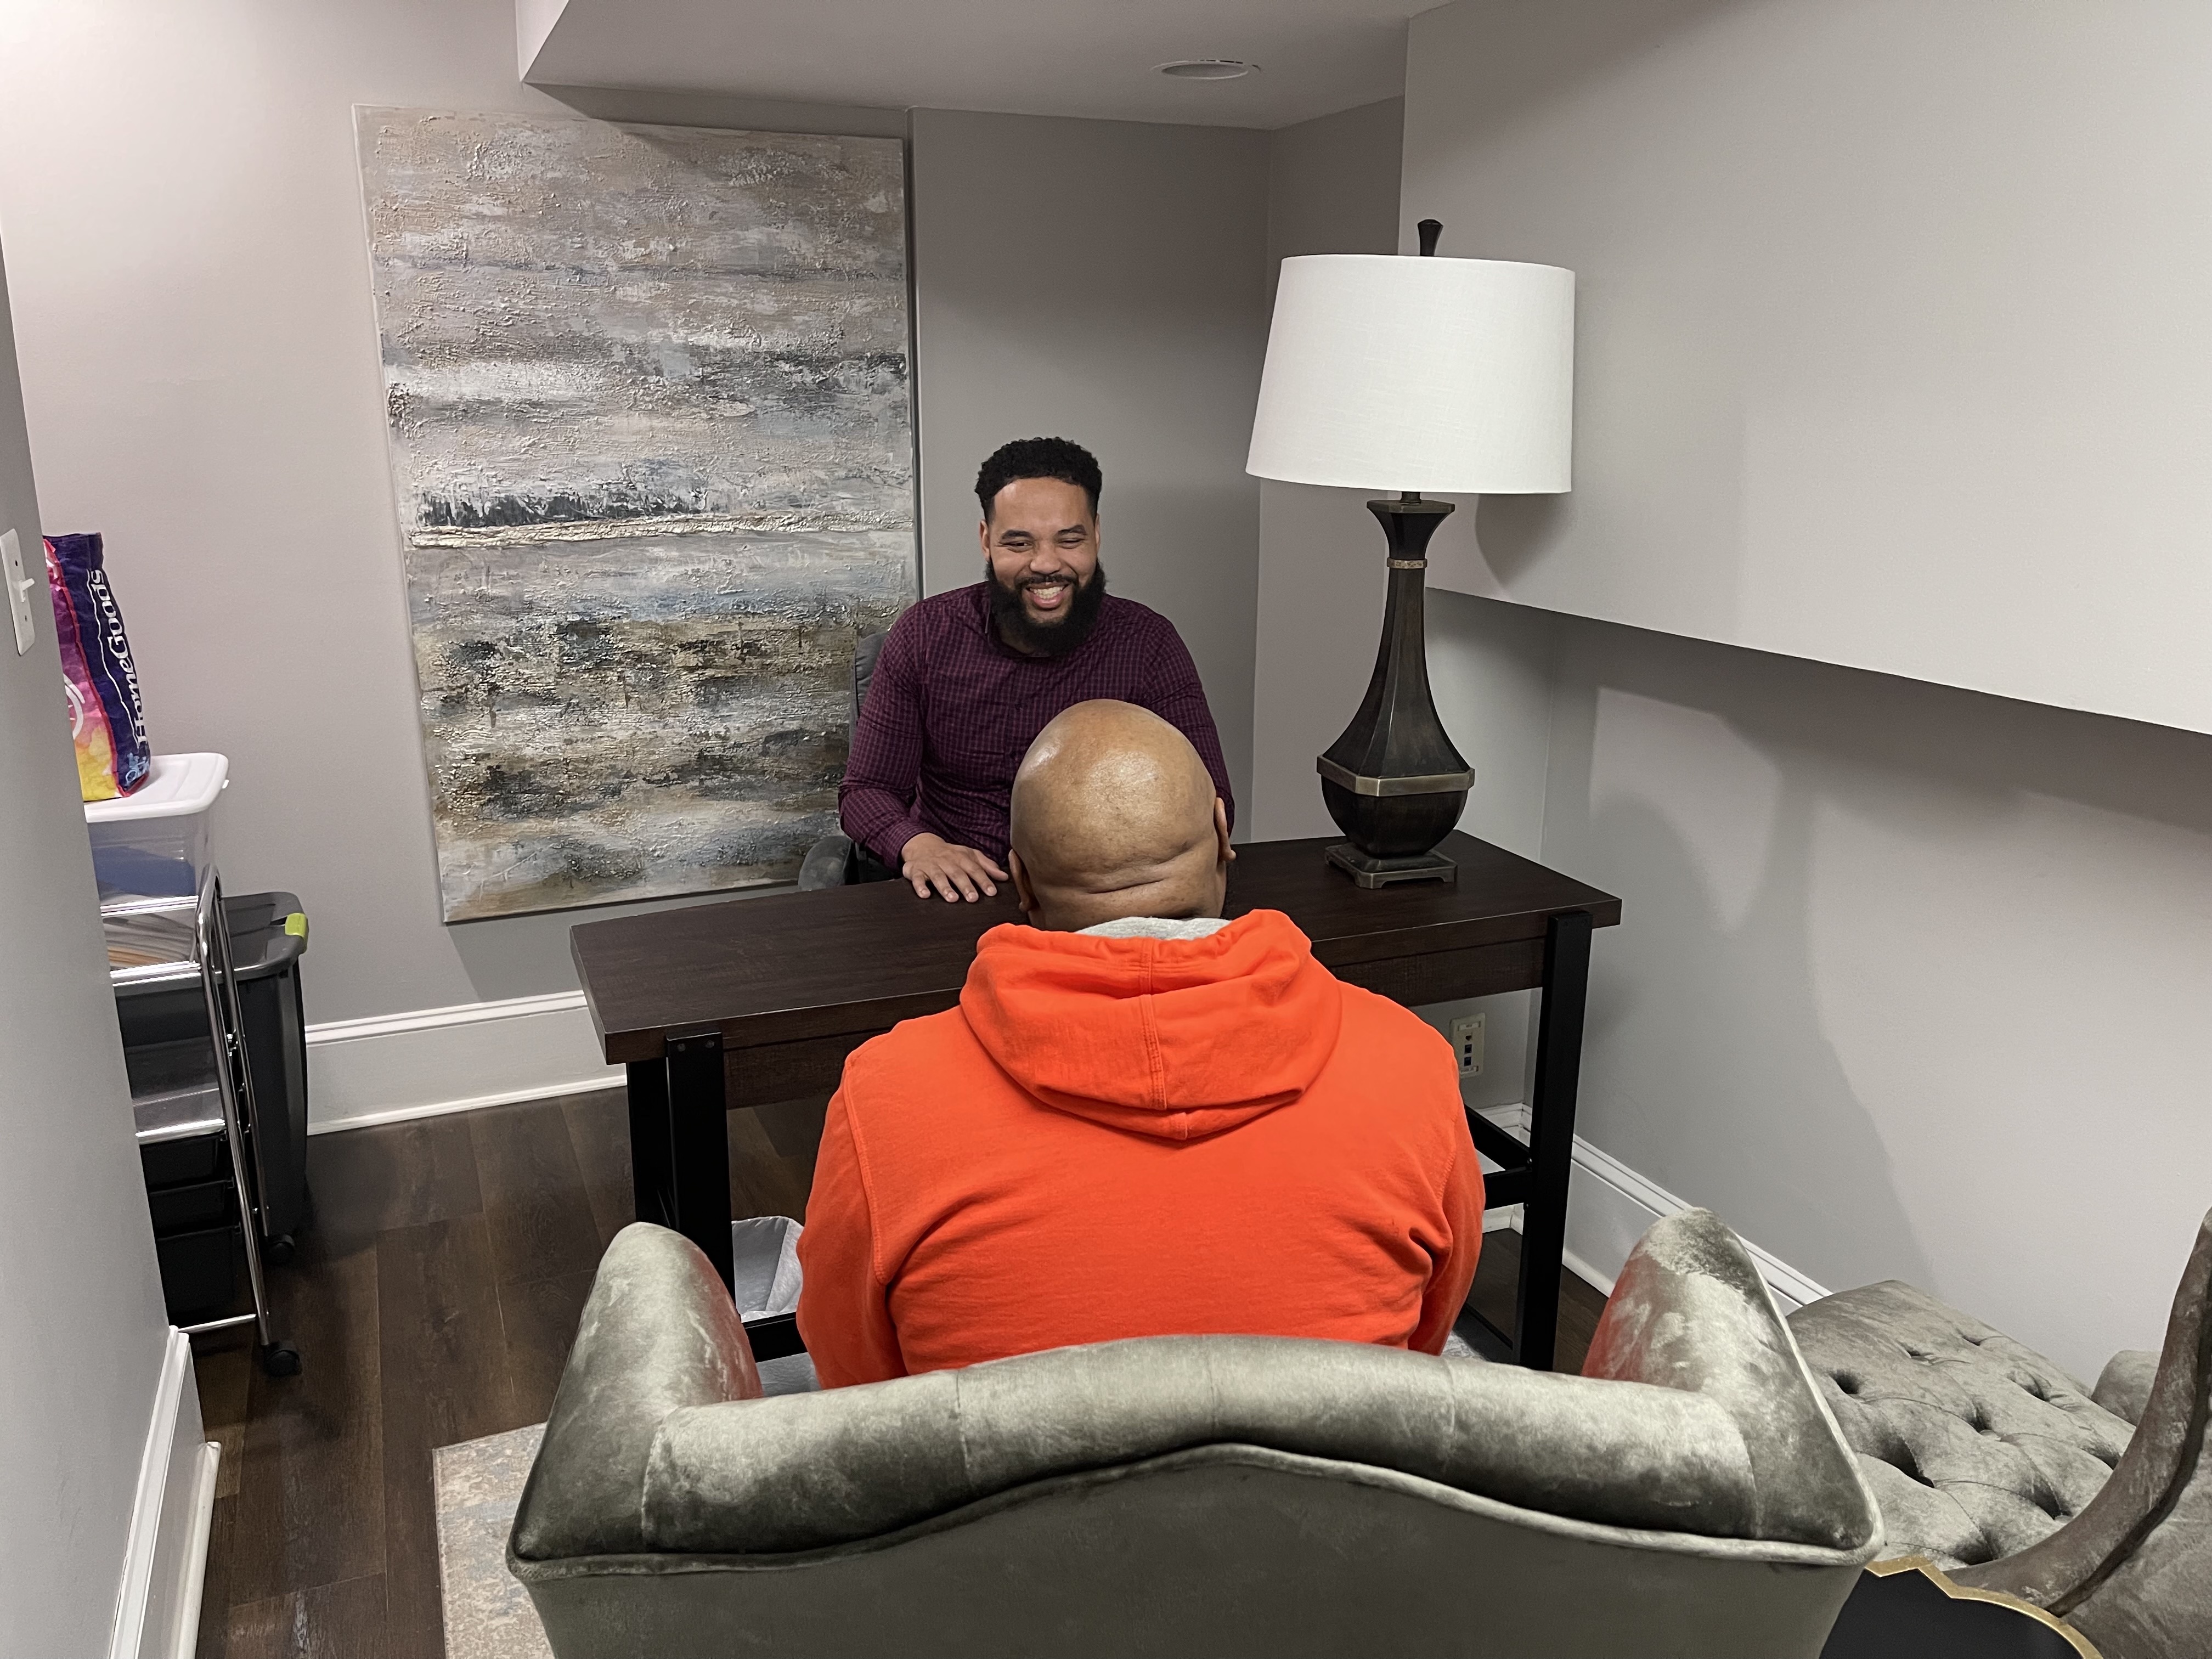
(1140, 1137)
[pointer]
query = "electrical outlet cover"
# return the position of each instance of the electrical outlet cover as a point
(1466, 1033)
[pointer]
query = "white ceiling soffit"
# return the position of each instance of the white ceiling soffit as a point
(1098, 58)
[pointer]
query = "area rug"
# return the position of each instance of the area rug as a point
(478, 1486)
(479, 1482)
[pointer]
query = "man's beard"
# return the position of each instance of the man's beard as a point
(1053, 639)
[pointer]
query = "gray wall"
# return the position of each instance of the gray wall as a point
(1893, 330)
(85, 1331)
(182, 205)
(1103, 281)
(1333, 184)
(1911, 980)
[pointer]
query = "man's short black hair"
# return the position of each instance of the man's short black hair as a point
(1039, 457)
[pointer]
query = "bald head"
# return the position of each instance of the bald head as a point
(1114, 815)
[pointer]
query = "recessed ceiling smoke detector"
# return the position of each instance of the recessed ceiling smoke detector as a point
(1208, 69)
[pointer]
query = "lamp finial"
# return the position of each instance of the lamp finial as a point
(1430, 230)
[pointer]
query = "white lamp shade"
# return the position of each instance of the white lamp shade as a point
(1446, 376)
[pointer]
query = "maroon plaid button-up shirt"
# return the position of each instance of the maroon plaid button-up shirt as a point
(950, 711)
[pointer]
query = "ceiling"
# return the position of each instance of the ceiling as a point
(1087, 57)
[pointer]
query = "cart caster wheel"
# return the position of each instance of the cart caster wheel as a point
(281, 1249)
(281, 1359)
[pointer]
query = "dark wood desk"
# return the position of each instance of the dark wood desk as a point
(759, 1000)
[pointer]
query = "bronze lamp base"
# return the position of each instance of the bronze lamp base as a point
(1392, 780)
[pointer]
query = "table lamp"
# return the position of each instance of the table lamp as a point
(1414, 374)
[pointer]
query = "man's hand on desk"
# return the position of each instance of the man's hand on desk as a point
(955, 871)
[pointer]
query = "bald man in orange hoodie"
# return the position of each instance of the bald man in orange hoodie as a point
(1141, 1119)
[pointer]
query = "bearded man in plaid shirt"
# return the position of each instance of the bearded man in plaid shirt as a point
(967, 678)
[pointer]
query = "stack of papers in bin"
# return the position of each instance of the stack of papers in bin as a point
(150, 935)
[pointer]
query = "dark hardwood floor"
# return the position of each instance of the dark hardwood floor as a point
(434, 1299)
(1497, 1276)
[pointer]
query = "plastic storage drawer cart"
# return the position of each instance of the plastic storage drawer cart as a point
(165, 1032)
(218, 1086)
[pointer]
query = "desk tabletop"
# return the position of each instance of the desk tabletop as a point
(794, 966)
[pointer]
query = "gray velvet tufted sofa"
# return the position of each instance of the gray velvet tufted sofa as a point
(2002, 1469)
(1198, 1495)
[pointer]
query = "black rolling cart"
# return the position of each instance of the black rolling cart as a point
(214, 1039)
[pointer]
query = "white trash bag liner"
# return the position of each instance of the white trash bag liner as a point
(764, 1278)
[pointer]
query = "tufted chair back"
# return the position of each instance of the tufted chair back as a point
(1976, 1445)
(833, 861)
(1987, 1458)
(868, 649)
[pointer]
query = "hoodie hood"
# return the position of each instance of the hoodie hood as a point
(1172, 1038)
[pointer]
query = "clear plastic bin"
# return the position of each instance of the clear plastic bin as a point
(154, 842)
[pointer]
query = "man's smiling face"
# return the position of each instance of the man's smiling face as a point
(1042, 539)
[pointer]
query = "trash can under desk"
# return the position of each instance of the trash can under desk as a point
(268, 935)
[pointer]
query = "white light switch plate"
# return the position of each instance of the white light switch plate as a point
(19, 587)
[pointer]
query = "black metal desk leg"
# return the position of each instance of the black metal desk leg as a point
(699, 1144)
(1552, 1136)
(649, 1147)
(679, 1144)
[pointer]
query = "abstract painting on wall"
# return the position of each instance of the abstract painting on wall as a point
(647, 397)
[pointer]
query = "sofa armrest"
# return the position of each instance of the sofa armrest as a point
(2123, 1386)
(1691, 1310)
(658, 1332)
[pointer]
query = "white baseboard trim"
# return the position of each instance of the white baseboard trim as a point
(157, 1608)
(1609, 1206)
(397, 1066)
(188, 1610)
